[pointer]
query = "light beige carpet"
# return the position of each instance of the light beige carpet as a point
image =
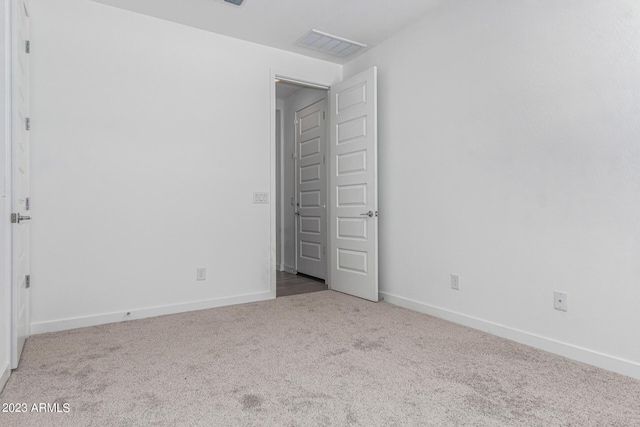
(319, 359)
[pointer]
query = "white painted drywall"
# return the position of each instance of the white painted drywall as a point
(296, 102)
(5, 204)
(509, 153)
(149, 139)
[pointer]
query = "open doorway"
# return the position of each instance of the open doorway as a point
(351, 179)
(301, 188)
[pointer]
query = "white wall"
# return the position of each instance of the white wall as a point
(149, 139)
(5, 204)
(296, 102)
(509, 154)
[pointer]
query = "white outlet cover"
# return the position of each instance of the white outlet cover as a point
(201, 274)
(560, 300)
(455, 282)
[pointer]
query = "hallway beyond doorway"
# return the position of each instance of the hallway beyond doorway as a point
(293, 284)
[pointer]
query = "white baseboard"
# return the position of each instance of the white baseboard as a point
(102, 319)
(584, 355)
(4, 376)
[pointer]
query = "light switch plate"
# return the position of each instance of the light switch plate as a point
(261, 198)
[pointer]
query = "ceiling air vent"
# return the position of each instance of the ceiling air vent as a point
(236, 2)
(327, 43)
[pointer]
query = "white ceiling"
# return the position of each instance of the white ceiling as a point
(280, 23)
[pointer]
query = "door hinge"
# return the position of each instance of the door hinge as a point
(27, 123)
(27, 280)
(27, 203)
(27, 46)
(14, 218)
(323, 118)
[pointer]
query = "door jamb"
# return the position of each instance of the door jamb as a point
(6, 128)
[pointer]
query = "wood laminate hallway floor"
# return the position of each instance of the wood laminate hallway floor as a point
(292, 284)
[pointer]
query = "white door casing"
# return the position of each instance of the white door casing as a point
(311, 190)
(353, 186)
(20, 184)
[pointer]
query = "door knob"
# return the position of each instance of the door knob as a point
(297, 213)
(369, 214)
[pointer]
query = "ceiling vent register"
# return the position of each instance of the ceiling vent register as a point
(330, 44)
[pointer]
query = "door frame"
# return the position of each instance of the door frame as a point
(6, 114)
(292, 77)
(13, 183)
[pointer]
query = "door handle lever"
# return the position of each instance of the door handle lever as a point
(369, 214)
(16, 218)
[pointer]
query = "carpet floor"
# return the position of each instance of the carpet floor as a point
(317, 359)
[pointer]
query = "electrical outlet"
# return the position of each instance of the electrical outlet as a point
(455, 282)
(201, 273)
(560, 300)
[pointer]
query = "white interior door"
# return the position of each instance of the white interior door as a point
(311, 190)
(353, 186)
(20, 186)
